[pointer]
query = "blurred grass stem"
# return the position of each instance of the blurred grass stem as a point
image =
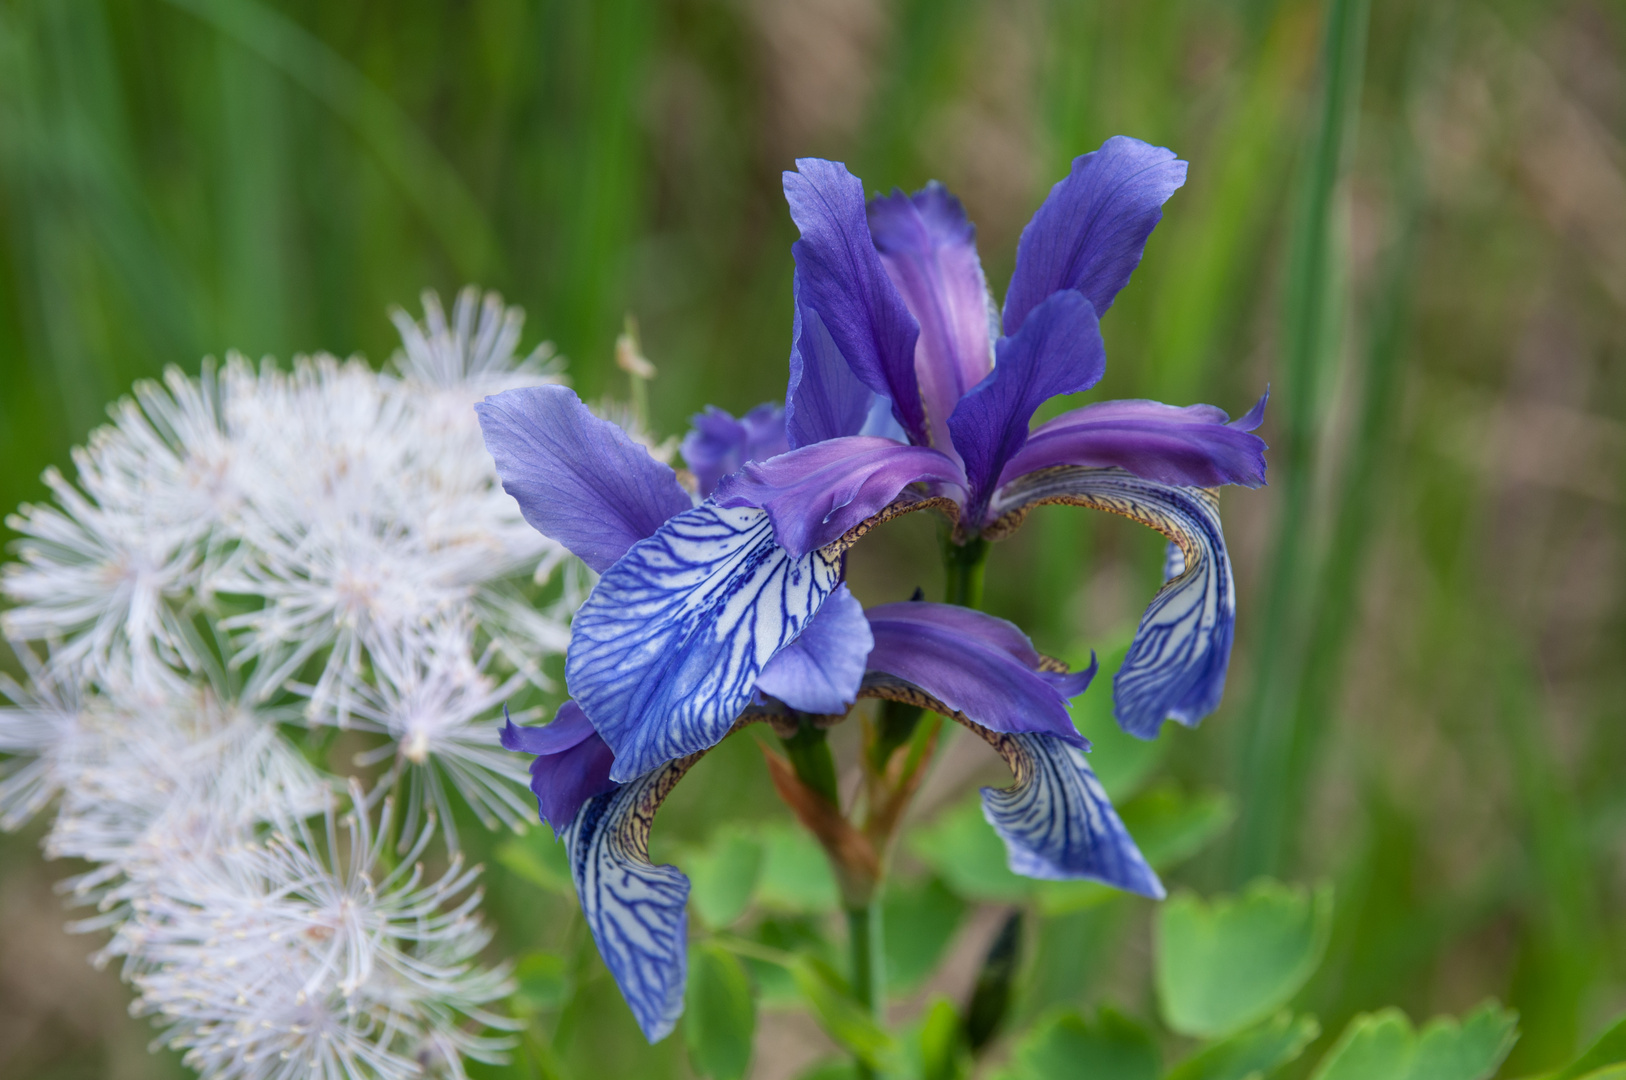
(1310, 355)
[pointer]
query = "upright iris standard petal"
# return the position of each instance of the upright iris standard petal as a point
(637, 911)
(1176, 664)
(971, 664)
(823, 399)
(1057, 351)
(816, 493)
(667, 650)
(578, 479)
(1091, 230)
(572, 763)
(821, 670)
(1056, 820)
(1192, 446)
(929, 250)
(718, 444)
(839, 276)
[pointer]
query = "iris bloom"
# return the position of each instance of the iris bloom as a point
(905, 392)
(587, 484)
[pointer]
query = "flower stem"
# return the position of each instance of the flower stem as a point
(809, 753)
(962, 571)
(868, 961)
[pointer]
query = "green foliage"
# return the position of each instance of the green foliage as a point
(795, 878)
(723, 876)
(544, 983)
(1248, 1055)
(719, 1017)
(1066, 1044)
(1119, 760)
(539, 859)
(1605, 1054)
(1383, 1046)
(919, 919)
(939, 1044)
(842, 1018)
(963, 849)
(1225, 964)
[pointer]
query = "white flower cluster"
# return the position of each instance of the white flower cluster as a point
(248, 562)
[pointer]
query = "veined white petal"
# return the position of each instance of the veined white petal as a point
(1176, 665)
(636, 910)
(666, 651)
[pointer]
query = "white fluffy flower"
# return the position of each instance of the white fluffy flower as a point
(241, 555)
(306, 955)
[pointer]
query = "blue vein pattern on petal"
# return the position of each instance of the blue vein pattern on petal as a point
(667, 650)
(1056, 820)
(1176, 665)
(637, 911)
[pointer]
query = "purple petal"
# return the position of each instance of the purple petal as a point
(814, 494)
(821, 670)
(1090, 232)
(569, 727)
(824, 399)
(985, 630)
(572, 766)
(578, 479)
(929, 250)
(1070, 684)
(1057, 351)
(925, 645)
(1250, 420)
(1187, 447)
(718, 444)
(839, 276)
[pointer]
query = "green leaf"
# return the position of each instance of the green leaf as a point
(968, 855)
(722, 876)
(720, 1016)
(1065, 1045)
(842, 1017)
(543, 982)
(1226, 965)
(795, 876)
(1609, 1050)
(1383, 1046)
(1119, 760)
(540, 859)
(1251, 1054)
(937, 1043)
(920, 917)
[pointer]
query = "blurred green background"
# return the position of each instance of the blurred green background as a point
(1415, 235)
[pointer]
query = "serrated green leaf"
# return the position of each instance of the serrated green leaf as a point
(720, 1018)
(540, 859)
(1383, 1046)
(1606, 1052)
(1066, 1044)
(723, 876)
(795, 877)
(1251, 1054)
(920, 917)
(1225, 965)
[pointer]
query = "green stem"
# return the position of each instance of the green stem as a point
(962, 571)
(809, 753)
(868, 960)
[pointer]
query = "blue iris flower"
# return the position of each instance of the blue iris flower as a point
(983, 672)
(893, 319)
(895, 403)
